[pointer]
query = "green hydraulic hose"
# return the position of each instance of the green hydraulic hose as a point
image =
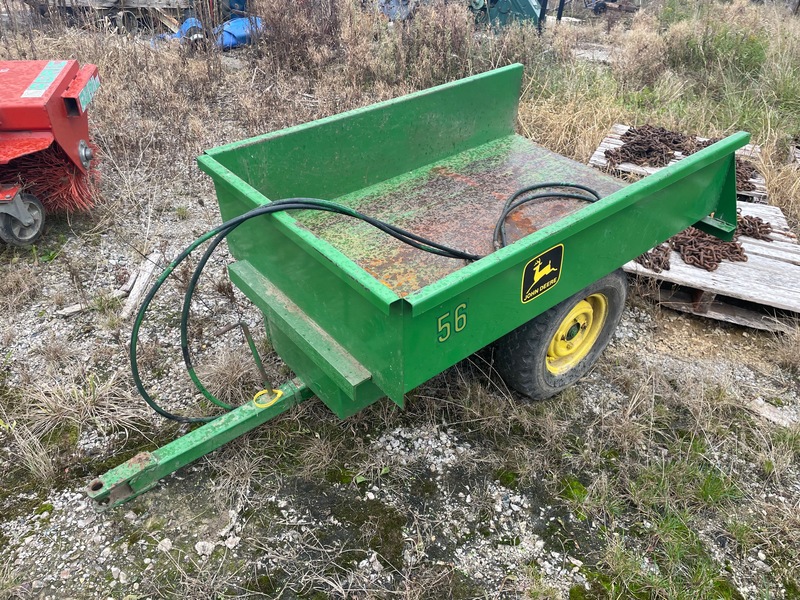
(307, 203)
(137, 324)
(221, 232)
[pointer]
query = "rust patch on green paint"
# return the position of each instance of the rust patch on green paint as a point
(455, 202)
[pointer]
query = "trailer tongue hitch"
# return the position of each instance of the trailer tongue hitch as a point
(143, 471)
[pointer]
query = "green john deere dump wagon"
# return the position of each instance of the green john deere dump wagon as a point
(386, 244)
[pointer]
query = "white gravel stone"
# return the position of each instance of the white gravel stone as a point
(204, 548)
(232, 542)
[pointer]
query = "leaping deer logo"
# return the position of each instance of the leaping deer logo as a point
(538, 272)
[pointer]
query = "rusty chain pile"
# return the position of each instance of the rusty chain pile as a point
(745, 170)
(753, 227)
(655, 147)
(702, 250)
(646, 145)
(657, 259)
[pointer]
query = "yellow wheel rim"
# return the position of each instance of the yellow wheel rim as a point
(577, 334)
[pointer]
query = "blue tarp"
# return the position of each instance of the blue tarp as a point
(237, 32)
(231, 34)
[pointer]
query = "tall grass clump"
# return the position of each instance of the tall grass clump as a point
(300, 35)
(570, 108)
(715, 47)
(639, 55)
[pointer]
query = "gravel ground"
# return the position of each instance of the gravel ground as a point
(438, 513)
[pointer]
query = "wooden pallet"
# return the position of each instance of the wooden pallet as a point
(758, 293)
(613, 141)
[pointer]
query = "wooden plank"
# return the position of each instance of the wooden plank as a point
(141, 285)
(775, 241)
(154, 4)
(779, 416)
(74, 309)
(170, 23)
(771, 251)
(760, 280)
(143, 5)
(681, 300)
(93, 4)
(701, 301)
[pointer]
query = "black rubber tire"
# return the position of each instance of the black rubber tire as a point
(11, 230)
(521, 356)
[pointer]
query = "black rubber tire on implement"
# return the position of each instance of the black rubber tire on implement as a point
(521, 356)
(11, 230)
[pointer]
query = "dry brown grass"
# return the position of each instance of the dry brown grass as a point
(787, 349)
(10, 584)
(231, 376)
(567, 124)
(29, 451)
(17, 287)
(82, 401)
(638, 56)
(783, 181)
(57, 352)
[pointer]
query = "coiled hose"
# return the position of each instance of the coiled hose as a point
(222, 231)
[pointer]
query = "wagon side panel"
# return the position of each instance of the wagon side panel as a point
(472, 308)
(344, 153)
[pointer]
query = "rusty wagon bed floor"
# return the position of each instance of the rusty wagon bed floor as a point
(455, 202)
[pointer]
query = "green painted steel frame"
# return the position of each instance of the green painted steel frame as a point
(401, 342)
(142, 472)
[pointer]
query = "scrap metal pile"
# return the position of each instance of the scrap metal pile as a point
(705, 251)
(652, 146)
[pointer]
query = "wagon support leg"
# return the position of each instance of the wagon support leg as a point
(143, 471)
(723, 223)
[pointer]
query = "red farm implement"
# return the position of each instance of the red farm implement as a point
(45, 153)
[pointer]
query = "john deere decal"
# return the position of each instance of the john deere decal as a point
(542, 273)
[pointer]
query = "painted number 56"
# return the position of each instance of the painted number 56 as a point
(447, 323)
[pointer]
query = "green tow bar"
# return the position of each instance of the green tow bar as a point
(142, 472)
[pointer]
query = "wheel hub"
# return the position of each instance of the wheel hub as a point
(573, 331)
(577, 334)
